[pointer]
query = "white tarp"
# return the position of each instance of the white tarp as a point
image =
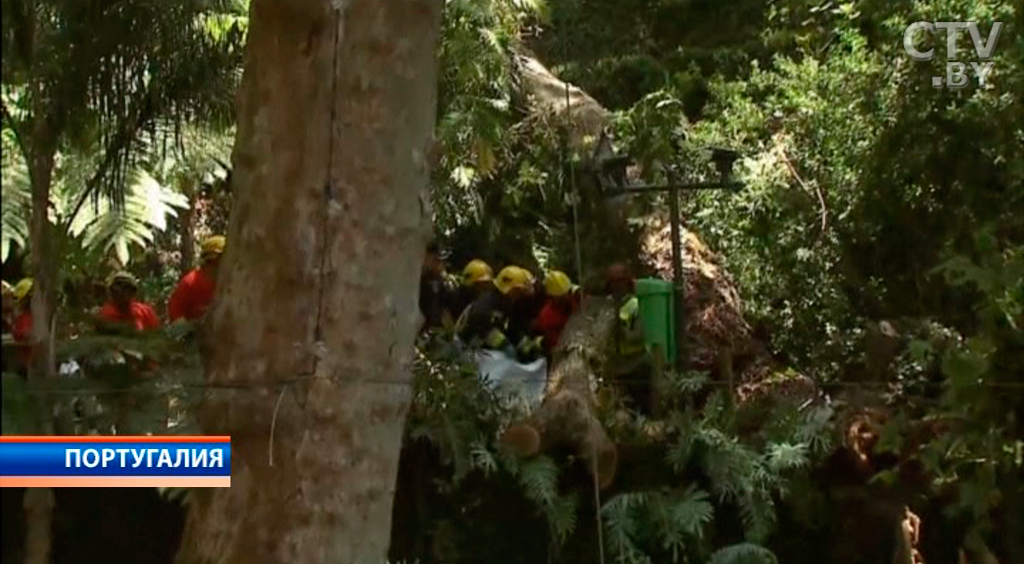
(525, 382)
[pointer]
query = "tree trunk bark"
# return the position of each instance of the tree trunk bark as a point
(38, 502)
(315, 316)
(43, 147)
(38, 505)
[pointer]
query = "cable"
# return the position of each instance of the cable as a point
(275, 383)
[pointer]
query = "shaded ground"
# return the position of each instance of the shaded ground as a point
(101, 526)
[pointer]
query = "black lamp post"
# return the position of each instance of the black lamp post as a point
(612, 181)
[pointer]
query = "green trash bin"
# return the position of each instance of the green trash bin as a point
(657, 315)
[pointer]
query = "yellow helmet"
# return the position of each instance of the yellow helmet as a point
(23, 288)
(557, 283)
(213, 246)
(512, 278)
(476, 271)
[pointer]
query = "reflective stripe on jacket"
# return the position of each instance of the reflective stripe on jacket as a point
(632, 342)
(484, 322)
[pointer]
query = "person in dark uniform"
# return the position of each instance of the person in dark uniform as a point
(437, 291)
(498, 320)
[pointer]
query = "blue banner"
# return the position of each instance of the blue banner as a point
(91, 457)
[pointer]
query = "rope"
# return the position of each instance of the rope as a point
(573, 196)
(597, 511)
(273, 426)
(261, 385)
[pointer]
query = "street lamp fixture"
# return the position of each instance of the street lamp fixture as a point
(612, 181)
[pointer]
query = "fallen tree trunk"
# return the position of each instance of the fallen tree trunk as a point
(547, 94)
(566, 417)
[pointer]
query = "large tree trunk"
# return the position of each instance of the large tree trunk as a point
(316, 310)
(42, 148)
(38, 505)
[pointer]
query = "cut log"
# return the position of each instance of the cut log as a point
(566, 417)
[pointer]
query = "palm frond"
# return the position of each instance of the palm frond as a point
(110, 70)
(16, 203)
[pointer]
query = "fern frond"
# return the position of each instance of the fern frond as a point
(539, 478)
(785, 456)
(483, 458)
(815, 429)
(16, 203)
(561, 515)
(757, 510)
(691, 513)
(619, 517)
(744, 553)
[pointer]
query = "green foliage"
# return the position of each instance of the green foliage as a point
(751, 473)
(101, 228)
(673, 523)
(669, 521)
(16, 202)
(475, 101)
(743, 554)
(20, 414)
(113, 104)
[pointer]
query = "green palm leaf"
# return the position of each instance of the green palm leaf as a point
(147, 205)
(17, 198)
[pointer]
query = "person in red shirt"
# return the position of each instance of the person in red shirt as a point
(195, 291)
(21, 325)
(562, 301)
(123, 309)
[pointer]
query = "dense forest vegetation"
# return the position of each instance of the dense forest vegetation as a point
(865, 286)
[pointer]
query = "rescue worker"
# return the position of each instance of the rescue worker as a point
(495, 319)
(123, 313)
(194, 293)
(21, 327)
(477, 278)
(562, 300)
(437, 291)
(631, 364)
(123, 310)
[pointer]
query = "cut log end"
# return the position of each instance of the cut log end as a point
(524, 440)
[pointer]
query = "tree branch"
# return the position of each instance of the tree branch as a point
(118, 146)
(815, 191)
